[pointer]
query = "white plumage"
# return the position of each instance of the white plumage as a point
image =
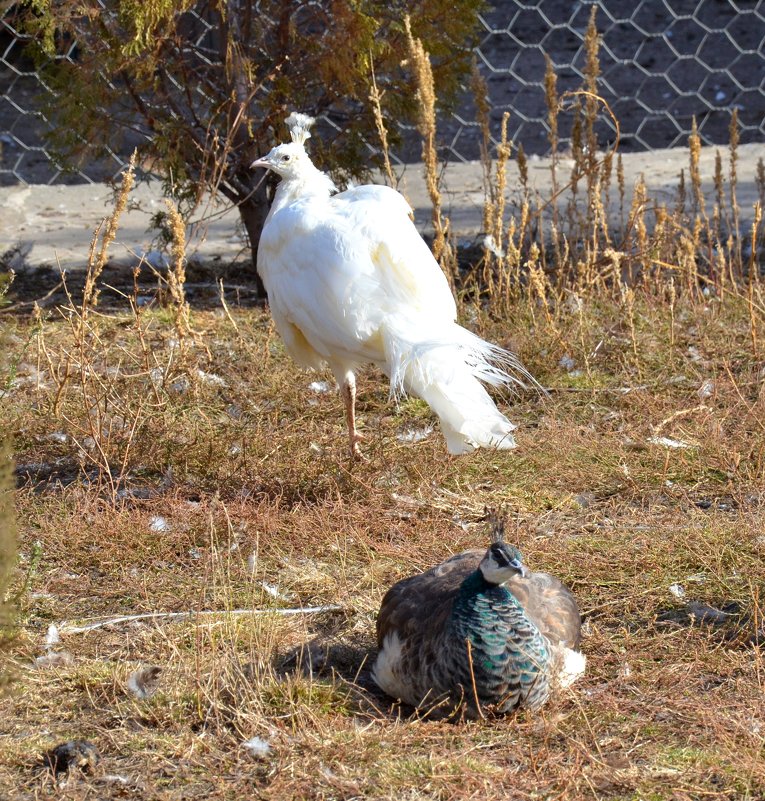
(351, 282)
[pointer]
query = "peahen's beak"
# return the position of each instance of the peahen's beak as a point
(261, 162)
(520, 567)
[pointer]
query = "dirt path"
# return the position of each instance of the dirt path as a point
(54, 224)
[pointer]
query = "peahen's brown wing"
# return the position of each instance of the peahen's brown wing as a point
(550, 606)
(425, 600)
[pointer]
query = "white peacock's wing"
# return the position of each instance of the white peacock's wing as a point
(407, 271)
(338, 271)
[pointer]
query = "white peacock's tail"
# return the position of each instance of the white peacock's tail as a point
(448, 370)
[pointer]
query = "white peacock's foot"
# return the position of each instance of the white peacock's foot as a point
(356, 452)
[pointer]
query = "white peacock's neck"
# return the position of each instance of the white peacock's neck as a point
(311, 182)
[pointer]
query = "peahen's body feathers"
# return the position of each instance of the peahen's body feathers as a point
(478, 629)
(351, 282)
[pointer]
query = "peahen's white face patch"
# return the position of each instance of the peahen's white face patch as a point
(496, 573)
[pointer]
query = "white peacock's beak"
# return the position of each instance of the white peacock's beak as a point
(261, 162)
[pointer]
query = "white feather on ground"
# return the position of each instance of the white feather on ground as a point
(351, 282)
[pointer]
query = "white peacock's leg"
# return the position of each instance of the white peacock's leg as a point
(348, 392)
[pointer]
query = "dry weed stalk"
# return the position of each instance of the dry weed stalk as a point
(375, 97)
(107, 231)
(760, 180)
(497, 229)
(735, 228)
(719, 184)
(754, 279)
(541, 289)
(638, 224)
(694, 146)
(628, 299)
(442, 248)
(589, 150)
(176, 275)
(672, 304)
(480, 93)
(553, 110)
(583, 332)
(7, 549)
(621, 183)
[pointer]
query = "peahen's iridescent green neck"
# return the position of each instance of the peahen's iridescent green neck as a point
(509, 655)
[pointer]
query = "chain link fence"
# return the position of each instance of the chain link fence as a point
(662, 62)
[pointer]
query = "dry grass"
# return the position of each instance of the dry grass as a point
(172, 460)
(257, 464)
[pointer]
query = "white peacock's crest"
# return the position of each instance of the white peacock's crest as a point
(300, 127)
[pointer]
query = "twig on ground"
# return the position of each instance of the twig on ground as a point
(68, 628)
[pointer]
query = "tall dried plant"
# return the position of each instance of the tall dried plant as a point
(591, 73)
(551, 101)
(755, 312)
(622, 184)
(176, 276)
(733, 142)
(480, 93)
(426, 125)
(375, 97)
(759, 180)
(102, 240)
(500, 185)
(694, 146)
(7, 550)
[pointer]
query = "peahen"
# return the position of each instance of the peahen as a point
(350, 282)
(478, 632)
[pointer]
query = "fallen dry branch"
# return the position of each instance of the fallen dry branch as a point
(68, 628)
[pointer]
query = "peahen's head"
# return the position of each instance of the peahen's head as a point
(501, 562)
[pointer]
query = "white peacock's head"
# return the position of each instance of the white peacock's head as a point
(288, 160)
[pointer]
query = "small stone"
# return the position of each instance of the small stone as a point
(180, 386)
(668, 442)
(211, 379)
(585, 499)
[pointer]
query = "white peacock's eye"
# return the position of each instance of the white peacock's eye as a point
(285, 158)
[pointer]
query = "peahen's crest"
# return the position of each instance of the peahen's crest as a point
(496, 519)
